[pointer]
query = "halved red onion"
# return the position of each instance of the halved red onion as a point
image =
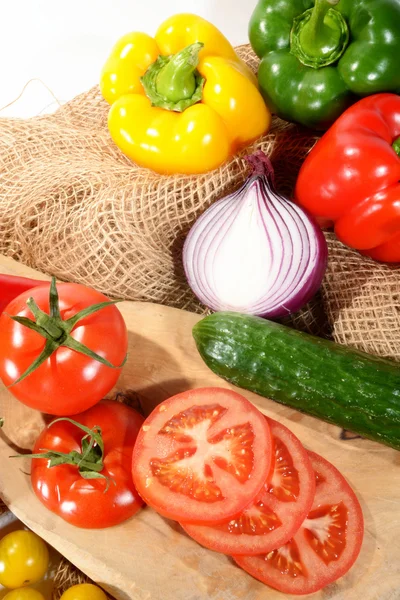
(255, 251)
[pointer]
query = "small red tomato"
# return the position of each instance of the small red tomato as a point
(65, 489)
(35, 332)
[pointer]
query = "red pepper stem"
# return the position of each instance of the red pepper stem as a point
(396, 146)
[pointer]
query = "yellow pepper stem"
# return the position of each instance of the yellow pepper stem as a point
(173, 82)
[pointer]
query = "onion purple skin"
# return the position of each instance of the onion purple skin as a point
(308, 291)
(313, 283)
(283, 222)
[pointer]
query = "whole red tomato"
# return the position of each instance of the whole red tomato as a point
(65, 489)
(67, 381)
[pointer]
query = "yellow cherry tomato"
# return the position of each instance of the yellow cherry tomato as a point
(182, 102)
(24, 559)
(24, 593)
(84, 591)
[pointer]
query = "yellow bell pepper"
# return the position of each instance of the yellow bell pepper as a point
(182, 102)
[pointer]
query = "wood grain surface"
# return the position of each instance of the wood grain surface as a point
(150, 558)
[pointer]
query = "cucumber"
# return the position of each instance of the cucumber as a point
(337, 384)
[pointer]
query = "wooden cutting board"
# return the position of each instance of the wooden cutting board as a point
(150, 558)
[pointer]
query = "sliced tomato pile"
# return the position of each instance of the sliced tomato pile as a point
(243, 484)
(202, 456)
(326, 545)
(279, 509)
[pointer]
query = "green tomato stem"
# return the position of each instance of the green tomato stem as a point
(89, 461)
(56, 332)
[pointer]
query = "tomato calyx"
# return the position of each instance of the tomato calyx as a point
(57, 332)
(89, 460)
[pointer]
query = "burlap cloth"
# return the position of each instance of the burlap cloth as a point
(72, 205)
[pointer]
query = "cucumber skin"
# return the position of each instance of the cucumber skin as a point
(337, 384)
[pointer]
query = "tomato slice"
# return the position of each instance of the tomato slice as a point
(277, 512)
(326, 545)
(202, 456)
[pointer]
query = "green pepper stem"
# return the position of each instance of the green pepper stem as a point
(176, 80)
(396, 146)
(315, 29)
(320, 35)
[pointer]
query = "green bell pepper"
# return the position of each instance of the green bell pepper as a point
(320, 56)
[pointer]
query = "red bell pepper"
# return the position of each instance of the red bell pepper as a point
(352, 177)
(12, 286)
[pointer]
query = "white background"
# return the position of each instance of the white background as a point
(65, 42)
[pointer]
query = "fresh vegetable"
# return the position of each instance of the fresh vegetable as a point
(69, 355)
(24, 559)
(182, 102)
(278, 511)
(202, 456)
(24, 594)
(84, 591)
(255, 251)
(326, 545)
(196, 456)
(352, 177)
(319, 56)
(84, 475)
(12, 286)
(337, 384)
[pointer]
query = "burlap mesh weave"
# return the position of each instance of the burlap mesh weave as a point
(362, 301)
